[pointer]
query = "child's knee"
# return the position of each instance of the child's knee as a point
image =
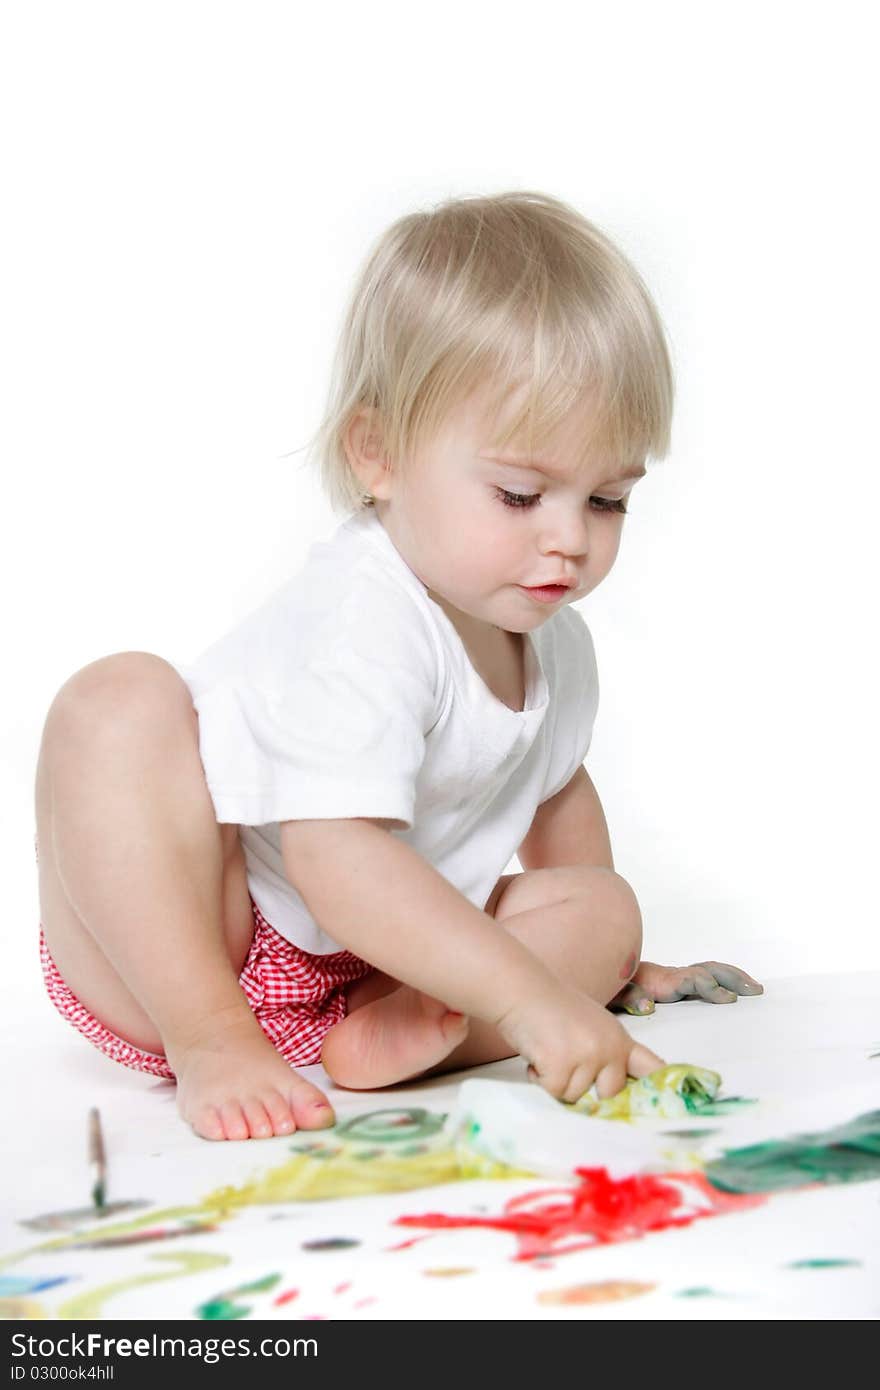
(628, 916)
(613, 902)
(116, 694)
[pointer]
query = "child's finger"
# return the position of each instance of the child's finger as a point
(734, 978)
(708, 988)
(556, 1086)
(642, 1061)
(633, 1000)
(611, 1080)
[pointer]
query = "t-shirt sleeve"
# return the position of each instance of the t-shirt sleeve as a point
(339, 733)
(575, 699)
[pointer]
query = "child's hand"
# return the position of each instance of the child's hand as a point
(709, 980)
(570, 1042)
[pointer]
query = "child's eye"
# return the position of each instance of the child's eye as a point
(608, 504)
(531, 499)
(518, 499)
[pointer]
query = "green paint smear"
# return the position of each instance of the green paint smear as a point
(722, 1107)
(688, 1133)
(223, 1305)
(702, 1291)
(824, 1264)
(848, 1153)
(222, 1308)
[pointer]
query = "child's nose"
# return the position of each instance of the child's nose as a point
(565, 533)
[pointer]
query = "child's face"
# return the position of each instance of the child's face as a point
(487, 531)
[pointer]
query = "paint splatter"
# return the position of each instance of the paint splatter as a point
(451, 1273)
(13, 1286)
(228, 1304)
(694, 1134)
(606, 1291)
(699, 1291)
(597, 1210)
(112, 1242)
(824, 1264)
(847, 1153)
(726, 1105)
(286, 1297)
(391, 1126)
(407, 1244)
(321, 1169)
(331, 1243)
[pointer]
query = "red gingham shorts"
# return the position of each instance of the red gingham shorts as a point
(296, 998)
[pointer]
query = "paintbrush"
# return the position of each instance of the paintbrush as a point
(97, 1160)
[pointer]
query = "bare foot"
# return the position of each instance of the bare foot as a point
(390, 1039)
(232, 1084)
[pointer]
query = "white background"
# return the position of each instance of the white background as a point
(189, 189)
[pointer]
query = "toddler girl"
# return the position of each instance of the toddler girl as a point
(292, 850)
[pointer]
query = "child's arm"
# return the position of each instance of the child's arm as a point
(378, 897)
(571, 828)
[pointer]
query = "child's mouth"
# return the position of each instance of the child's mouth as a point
(546, 593)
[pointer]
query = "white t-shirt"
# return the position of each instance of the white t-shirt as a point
(350, 693)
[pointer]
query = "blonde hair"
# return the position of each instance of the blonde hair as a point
(511, 290)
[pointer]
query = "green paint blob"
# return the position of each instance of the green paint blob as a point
(331, 1243)
(701, 1291)
(724, 1107)
(391, 1126)
(222, 1308)
(847, 1153)
(688, 1133)
(223, 1305)
(824, 1264)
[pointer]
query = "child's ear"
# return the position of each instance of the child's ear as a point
(365, 451)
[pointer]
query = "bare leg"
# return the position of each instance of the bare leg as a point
(144, 900)
(583, 922)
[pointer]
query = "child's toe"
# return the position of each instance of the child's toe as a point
(311, 1110)
(235, 1126)
(208, 1124)
(258, 1122)
(279, 1112)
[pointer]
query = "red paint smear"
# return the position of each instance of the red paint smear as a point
(341, 1288)
(602, 1209)
(405, 1244)
(364, 1302)
(287, 1297)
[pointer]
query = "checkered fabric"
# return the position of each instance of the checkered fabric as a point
(296, 997)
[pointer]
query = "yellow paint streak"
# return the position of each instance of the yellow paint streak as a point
(307, 1179)
(185, 1262)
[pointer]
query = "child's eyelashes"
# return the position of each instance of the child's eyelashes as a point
(526, 500)
(518, 499)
